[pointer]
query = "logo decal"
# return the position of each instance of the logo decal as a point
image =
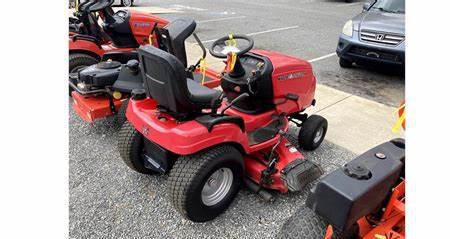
(292, 76)
(141, 24)
(380, 37)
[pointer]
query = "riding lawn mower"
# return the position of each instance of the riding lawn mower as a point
(118, 37)
(103, 89)
(211, 142)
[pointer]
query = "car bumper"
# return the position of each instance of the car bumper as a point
(352, 49)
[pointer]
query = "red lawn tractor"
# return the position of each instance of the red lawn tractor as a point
(365, 199)
(103, 89)
(118, 37)
(211, 142)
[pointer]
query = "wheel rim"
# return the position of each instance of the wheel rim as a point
(318, 136)
(217, 186)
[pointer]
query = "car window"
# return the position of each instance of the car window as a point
(394, 6)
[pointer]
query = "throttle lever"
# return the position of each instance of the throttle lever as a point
(255, 75)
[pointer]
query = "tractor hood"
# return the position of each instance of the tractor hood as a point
(379, 21)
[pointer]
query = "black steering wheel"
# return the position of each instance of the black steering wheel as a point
(100, 5)
(224, 45)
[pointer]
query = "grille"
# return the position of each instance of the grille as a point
(376, 54)
(381, 38)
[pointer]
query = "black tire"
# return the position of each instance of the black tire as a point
(77, 62)
(127, 3)
(306, 224)
(344, 63)
(310, 129)
(121, 117)
(189, 175)
(303, 224)
(131, 148)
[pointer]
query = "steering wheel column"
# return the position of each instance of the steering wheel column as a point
(226, 47)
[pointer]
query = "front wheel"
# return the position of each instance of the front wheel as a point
(203, 185)
(345, 63)
(312, 132)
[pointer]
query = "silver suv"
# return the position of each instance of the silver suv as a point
(375, 35)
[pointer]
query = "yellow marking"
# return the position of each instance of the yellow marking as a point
(400, 120)
(203, 69)
(117, 95)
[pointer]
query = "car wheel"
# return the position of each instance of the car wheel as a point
(345, 63)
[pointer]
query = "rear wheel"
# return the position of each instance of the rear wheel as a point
(312, 132)
(345, 63)
(202, 186)
(79, 61)
(121, 114)
(127, 3)
(132, 150)
(308, 225)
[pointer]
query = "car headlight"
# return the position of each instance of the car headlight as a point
(348, 28)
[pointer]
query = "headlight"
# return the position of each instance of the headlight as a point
(348, 28)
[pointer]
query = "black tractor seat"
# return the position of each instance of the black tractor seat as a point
(201, 94)
(165, 81)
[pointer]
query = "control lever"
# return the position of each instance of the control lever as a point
(240, 97)
(199, 42)
(255, 75)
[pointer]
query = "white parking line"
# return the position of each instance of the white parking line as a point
(221, 19)
(180, 7)
(322, 57)
(261, 32)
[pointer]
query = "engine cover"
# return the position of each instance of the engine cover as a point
(100, 75)
(360, 187)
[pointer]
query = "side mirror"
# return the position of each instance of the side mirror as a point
(366, 6)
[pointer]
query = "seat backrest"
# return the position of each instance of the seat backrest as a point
(174, 35)
(165, 80)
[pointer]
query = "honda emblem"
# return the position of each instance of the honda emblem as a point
(380, 37)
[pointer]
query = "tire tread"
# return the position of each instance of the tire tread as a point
(184, 174)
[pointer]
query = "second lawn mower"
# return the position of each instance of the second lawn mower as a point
(103, 89)
(211, 141)
(120, 34)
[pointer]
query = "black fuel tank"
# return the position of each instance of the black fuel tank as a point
(360, 187)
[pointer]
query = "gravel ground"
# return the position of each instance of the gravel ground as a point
(109, 200)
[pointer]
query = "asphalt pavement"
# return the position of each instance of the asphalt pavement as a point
(108, 200)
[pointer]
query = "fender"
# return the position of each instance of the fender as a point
(86, 46)
(183, 138)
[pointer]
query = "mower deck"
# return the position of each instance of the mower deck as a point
(90, 108)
